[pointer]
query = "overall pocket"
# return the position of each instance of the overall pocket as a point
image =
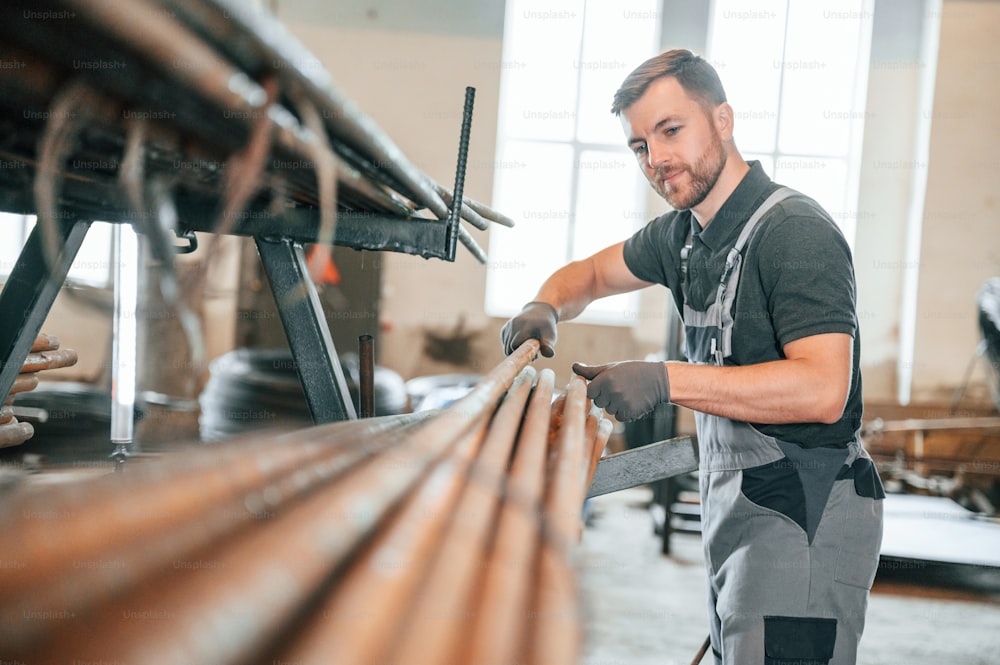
(861, 494)
(778, 487)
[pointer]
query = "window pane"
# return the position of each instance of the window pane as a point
(13, 229)
(822, 179)
(539, 83)
(533, 183)
(617, 38)
(745, 45)
(608, 200)
(609, 207)
(820, 64)
(93, 262)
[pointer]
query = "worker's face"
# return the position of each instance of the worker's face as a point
(676, 143)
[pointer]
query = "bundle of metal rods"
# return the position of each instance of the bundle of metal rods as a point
(209, 103)
(442, 537)
(45, 354)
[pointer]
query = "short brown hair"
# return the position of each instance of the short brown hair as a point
(698, 78)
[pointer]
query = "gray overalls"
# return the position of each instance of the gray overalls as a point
(791, 534)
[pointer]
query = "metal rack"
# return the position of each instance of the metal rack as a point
(183, 116)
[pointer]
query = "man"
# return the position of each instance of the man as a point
(763, 278)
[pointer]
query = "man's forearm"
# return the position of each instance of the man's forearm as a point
(778, 392)
(570, 289)
(574, 286)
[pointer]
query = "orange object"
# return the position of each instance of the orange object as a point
(321, 265)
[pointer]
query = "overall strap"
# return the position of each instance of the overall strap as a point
(774, 199)
(726, 296)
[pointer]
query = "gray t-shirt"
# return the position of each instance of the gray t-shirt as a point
(797, 280)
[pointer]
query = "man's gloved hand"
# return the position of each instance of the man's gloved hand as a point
(537, 320)
(628, 390)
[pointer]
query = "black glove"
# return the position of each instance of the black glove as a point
(537, 320)
(628, 390)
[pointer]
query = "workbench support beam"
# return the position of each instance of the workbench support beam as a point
(28, 295)
(305, 326)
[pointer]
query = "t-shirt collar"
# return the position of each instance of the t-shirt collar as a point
(736, 209)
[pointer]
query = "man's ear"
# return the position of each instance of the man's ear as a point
(723, 117)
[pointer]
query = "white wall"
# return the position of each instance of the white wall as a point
(960, 245)
(886, 187)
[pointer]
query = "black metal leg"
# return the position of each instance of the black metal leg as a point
(28, 295)
(307, 331)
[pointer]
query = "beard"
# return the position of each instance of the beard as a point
(703, 175)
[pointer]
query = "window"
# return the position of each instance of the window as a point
(796, 72)
(563, 171)
(92, 265)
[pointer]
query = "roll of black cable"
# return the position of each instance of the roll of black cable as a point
(988, 303)
(254, 389)
(74, 427)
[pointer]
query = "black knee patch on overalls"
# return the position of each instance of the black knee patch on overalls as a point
(798, 640)
(866, 480)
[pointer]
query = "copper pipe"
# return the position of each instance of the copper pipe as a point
(23, 383)
(85, 544)
(598, 442)
(44, 354)
(503, 604)
(425, 546)
(237, 591)
(44, 342)
(253, 587)
(356, 623)
(556, 633)
(441, 617)
(13, 433)
(42, 360)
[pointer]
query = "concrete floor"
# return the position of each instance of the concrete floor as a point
(644, 608)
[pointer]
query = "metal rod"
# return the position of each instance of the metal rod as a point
(308, 547)
(299, 67)
(125, 273)
(317, 526)
(441, 616)
(503, 604)
(463, 156)
(556, 634)
(366, 376)
(356, 623)
(471, 245)
(879, 426)
(645, 464)
(174, 507)
(13, 433)
(45, 342)
(50, 358)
